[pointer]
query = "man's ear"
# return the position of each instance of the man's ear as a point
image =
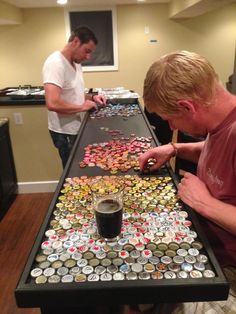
(186, 106)
(76, 41)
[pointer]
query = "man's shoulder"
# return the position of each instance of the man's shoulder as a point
(53, 62)
(53, 69)
(55, 56)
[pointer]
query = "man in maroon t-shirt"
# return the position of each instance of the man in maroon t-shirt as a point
(183, 88)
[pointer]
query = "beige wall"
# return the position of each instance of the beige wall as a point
(24, 48)
(36, 159)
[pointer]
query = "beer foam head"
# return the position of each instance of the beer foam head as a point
(108, 206)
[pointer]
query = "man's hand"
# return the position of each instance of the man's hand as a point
(100, 99)
(160, 155)
(193, 191)
(88, 104)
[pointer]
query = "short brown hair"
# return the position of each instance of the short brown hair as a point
(181, 75)
(85, 34)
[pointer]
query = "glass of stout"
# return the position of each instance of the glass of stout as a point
(107, 194)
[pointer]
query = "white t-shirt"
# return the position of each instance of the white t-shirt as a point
(58, 70)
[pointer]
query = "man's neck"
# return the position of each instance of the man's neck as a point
(67, 54)
(224, 103)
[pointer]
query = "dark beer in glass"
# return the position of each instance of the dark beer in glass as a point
(108, 213)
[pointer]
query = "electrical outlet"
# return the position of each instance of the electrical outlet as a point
(18, 117)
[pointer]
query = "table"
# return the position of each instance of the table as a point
(144, 286)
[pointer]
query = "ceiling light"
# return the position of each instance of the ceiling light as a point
(62, 2)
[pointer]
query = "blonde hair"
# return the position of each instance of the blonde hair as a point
(181, 75)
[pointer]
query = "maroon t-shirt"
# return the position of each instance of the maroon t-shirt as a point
(217, 168)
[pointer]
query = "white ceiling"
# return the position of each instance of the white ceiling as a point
(52, 3)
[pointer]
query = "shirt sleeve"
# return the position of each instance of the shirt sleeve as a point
(53, 73)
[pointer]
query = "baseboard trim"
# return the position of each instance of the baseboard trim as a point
(37, 187)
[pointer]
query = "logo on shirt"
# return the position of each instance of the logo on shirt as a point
(214, 179)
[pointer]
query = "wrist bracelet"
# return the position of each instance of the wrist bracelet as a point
(175, 149)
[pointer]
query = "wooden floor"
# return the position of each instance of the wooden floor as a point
(18, 230)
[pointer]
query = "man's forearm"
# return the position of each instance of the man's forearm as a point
(63, 107)
(189, 151)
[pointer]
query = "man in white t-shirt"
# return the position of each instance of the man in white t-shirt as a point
(64, 89)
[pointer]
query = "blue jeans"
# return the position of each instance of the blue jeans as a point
(64, 144)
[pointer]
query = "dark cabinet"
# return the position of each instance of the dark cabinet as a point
(8, 180)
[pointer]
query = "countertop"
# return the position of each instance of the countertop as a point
(22, 95)
(3, 121)
(8, 101)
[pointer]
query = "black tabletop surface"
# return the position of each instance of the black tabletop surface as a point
(30, 294)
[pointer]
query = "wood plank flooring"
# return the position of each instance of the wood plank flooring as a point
(18, 230)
